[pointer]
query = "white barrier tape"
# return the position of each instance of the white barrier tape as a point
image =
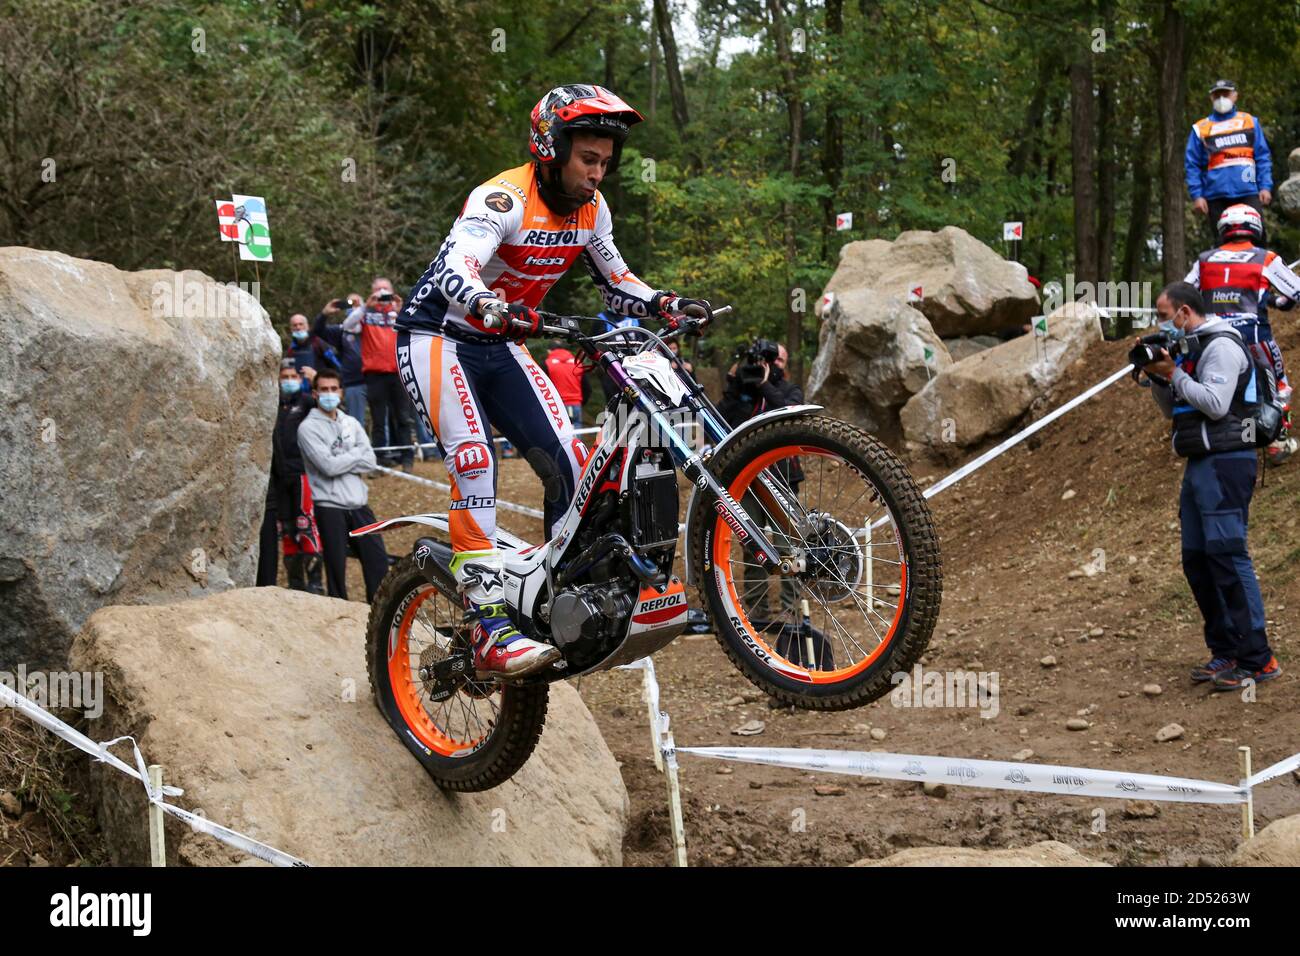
(99, 751)
(1276, 770)
(22, 704)
(589, 430)
(989, 774)
(1018, 437)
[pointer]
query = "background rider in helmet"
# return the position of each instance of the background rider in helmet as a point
(1234, 279)
(517, 234)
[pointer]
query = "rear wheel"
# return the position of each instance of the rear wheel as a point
(480, 735)
(865, 602)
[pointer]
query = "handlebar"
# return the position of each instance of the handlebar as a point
(566, 326)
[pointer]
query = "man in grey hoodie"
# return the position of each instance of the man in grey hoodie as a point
(336, 452)
(1208, 388)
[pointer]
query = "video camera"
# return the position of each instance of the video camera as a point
(749, 362)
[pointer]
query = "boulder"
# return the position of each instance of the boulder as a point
(963, 348)
(966, 288)
(1278, 844)
(983, 395)
(1046, 853)
(257, 703)
(135, 442)
(872, 358)
(1288, 193)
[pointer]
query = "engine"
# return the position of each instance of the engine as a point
(592, 615)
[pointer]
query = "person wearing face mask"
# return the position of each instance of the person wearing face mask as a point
(290, 517)
(308, 352)
(336, 453)
(1235, 279)
(1206, 388)
(1227, 160)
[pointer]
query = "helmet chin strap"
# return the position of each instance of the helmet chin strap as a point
(553, 194)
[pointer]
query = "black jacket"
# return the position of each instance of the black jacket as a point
(741, 403)
(286, 457)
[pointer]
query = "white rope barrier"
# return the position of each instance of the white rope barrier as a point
(263, 851)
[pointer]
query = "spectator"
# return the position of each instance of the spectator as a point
(566, 372)
(289, 514)
(1204, 390)
(687, 367)
(1227, 159)
(392, 418)
(308, 353)
(336, 453)
(347, 346)
(756, 384)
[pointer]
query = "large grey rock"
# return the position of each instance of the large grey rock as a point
(983, 395)
(257, 703)
(1278, 844)
(1046, 853)
(966, 288)
(872, 358)
(134, 443)
(1288, 193)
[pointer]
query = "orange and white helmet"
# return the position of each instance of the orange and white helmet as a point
(1241, 222)
(578, 107)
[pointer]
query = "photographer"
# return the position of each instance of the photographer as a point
(755, 384)
(1207, 388)
(347, 345)
(392, 417)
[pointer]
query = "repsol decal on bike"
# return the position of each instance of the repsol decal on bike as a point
(597, 465)
(757, 649)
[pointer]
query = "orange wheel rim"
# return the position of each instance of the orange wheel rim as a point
(722, 565)
(408, 690)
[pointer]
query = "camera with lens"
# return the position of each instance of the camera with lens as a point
(749, 362)
(1148, 349)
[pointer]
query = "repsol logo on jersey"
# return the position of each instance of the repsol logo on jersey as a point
(546, 237)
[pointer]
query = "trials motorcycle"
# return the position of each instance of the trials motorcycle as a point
(806, 537)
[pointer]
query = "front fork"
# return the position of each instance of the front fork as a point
(751, 536)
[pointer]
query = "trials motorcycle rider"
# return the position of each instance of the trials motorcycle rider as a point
(459, 350)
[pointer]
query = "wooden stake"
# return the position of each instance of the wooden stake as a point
(654, 720)
(1247, 808)
(674, 795)
(157, 850)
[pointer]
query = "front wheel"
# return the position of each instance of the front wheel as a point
(864, 599)
(476, 738)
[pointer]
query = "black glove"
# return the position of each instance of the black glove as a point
(668, 304)
(509, 320)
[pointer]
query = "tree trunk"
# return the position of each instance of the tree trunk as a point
(676, 90)
(1139, 216)
(833, 135)
(1172, 101)
(1083, 120)
(794, 109)
(1106, 158)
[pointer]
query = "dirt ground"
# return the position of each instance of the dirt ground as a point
(1010, 542)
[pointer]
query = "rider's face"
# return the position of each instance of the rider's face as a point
(588, 160)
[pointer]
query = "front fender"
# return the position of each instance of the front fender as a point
(736, 434)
